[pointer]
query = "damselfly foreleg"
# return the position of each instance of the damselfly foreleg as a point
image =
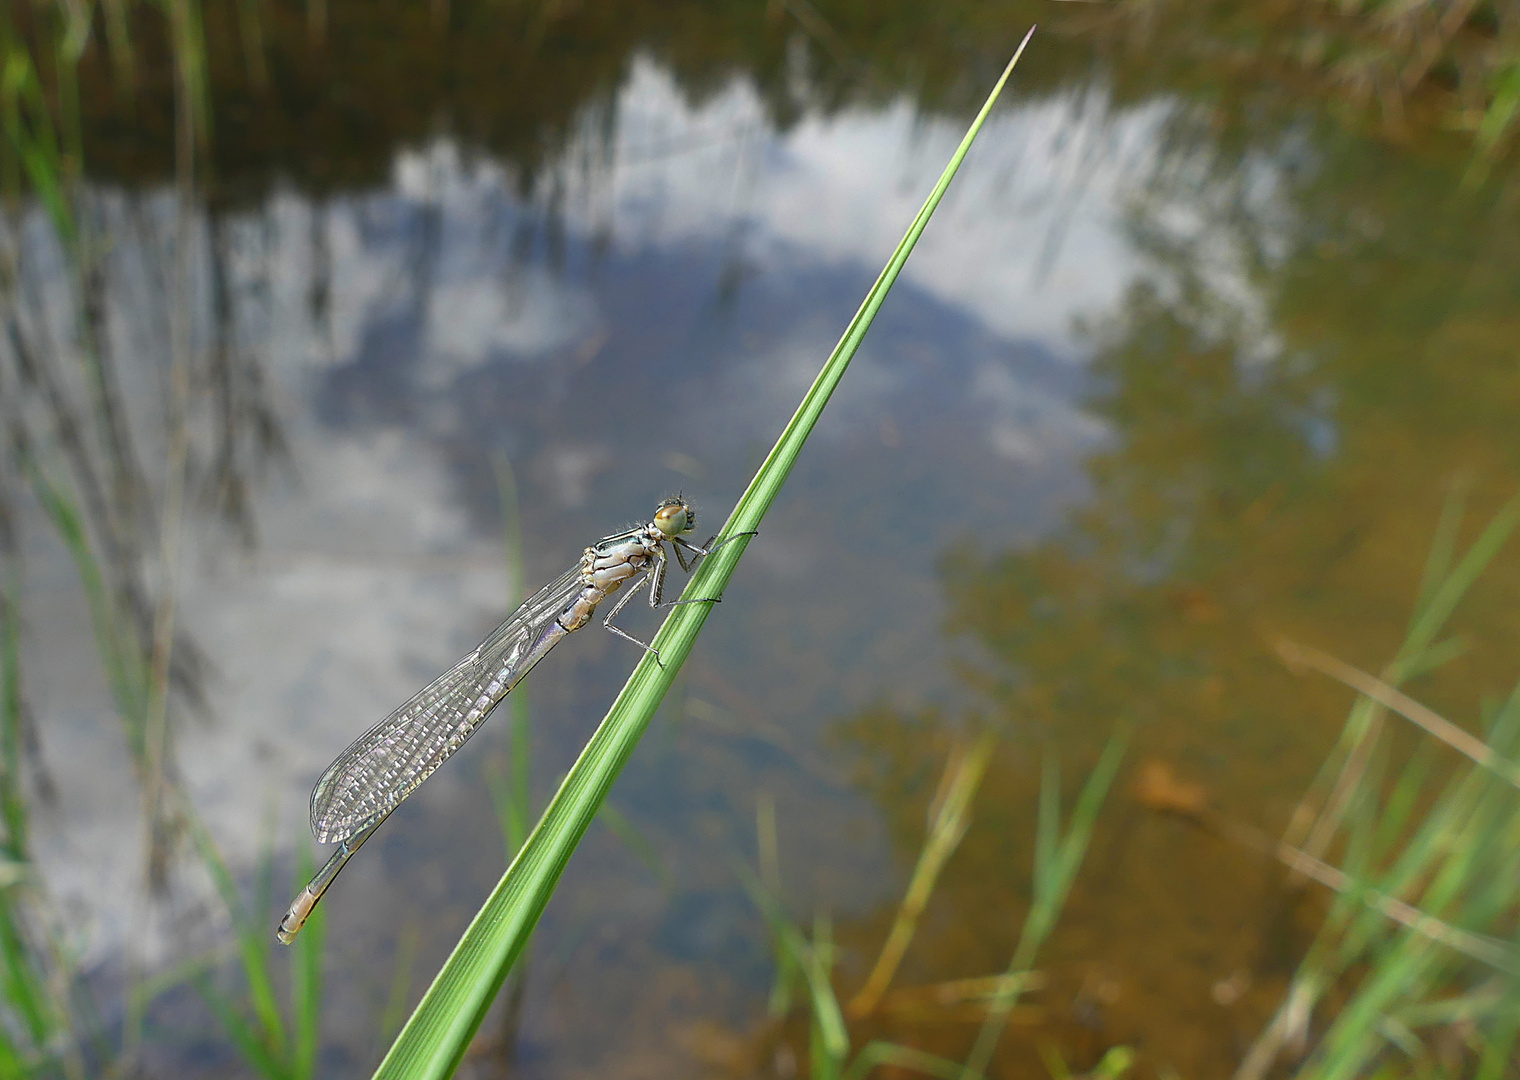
(679, 542)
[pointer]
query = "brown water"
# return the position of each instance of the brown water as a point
(1185, 366)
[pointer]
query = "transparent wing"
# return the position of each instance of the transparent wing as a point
(387, 763)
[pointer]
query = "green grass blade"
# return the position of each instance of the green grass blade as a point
(811, 962)
(636, 842)
(1499, 118)
(118, 650)
(902, 1058)
(306, 982)
(401, 983)
(12, 797)
(11, 1062)
(1084, 814)
(515, 806)
(1442, 546)
(243, 1034)
(439, 1032)
(29, 129)
(252, 942)
(823, 1065)
(772, 474)
(22, 986)
(826, 1012)
(1047, 835)
(1443, 599)
(1056, 866)
(1500, 1042)
(962, 778)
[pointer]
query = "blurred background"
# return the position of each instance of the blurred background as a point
(329, 330)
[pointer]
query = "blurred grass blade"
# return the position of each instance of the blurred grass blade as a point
(797, 956)
(118, 649)
(1496, 1059)
(252, 944)
(828, 1018)
(30, 131)
(401, 983)
(244, 1035)
(1057, 860)
(21, 984)
(1420, 868)
(306, 981)
(951, 818)
(1444, 599)
(901, 1058)
(1500, 115)
(12, 795)
(1431, 722)
(1443, 545)
(436, 1037)
(515, 794)
(636, 842)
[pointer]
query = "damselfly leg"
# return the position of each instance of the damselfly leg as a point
(656, 575)
(679, 542)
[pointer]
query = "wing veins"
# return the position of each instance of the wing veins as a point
(386, 764)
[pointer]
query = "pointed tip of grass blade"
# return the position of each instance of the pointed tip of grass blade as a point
(1020, 50)
(997, 90)
(762, 489)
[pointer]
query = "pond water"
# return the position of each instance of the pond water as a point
(1165, 382)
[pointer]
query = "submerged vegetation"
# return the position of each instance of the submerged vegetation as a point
(805, 963)
(1384, 941)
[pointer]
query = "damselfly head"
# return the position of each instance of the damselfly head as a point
(674, 517)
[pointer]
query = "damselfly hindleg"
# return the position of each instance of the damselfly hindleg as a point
(656, 574)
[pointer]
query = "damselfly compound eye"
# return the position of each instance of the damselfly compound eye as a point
(675, 516)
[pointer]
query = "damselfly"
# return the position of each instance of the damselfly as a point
(387, 763)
